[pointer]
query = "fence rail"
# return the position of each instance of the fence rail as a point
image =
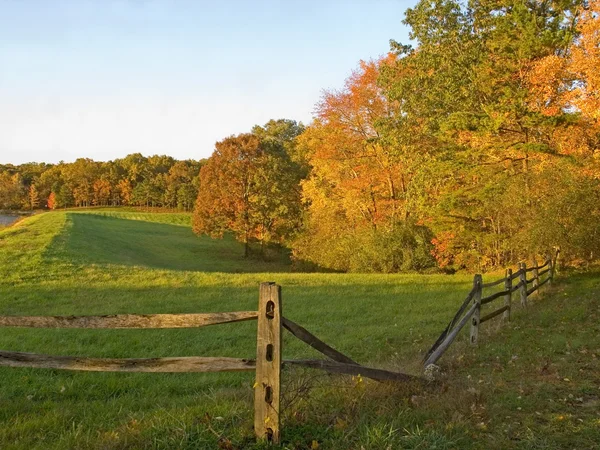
(128, 320)
(473, 313)
(270, 323)
(267, 365)
(171, 365)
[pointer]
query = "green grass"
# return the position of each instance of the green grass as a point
(107, 262)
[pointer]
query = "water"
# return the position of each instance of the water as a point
(7, 219)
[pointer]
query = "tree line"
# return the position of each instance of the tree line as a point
(136, 180)
(474, 147)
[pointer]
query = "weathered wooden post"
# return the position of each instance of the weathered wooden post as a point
(508, 296)
(477, 282)
(536, 277)
(555, 263)
(268, 364)
(523, 281)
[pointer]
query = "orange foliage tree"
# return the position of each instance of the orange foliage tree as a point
(248, 187)
(358, 184)
(52, 201)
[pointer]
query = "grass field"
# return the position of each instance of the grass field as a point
(106, 262)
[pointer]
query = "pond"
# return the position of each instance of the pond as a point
(7, 219)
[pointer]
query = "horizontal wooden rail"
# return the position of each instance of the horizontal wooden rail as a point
(182, 364)
(543, 272)
(532, 290)
(493, 283)
(494, 314)
(530, 280)
(128, 320)
(491, 298)
(439, 351)
(309, 338)
(353, 369)
(516, 274)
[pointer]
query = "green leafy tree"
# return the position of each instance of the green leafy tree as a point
(249, 187)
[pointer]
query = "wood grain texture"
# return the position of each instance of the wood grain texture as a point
(128, 320)
(182, 364)
(309, 338)
(268, 364)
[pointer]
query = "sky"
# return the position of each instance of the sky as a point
(105, 78)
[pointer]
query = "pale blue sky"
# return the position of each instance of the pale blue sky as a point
(101, 79)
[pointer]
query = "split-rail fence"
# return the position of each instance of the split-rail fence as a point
(470, 310)
(267, 365)
(270, 323)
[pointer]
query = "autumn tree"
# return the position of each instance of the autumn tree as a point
(463, 92)
(11, 190)
(33, 197)
(101, 188)
(249, 187)
(358, 191)
(158, 180)
(51, 202)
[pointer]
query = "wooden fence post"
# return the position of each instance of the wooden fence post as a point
(550, 269)
(523, 281)
(477, 282)
(507, 297)
(555, 263)
(536, 277)
(268, 364)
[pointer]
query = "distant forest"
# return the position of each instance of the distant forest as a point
(157, 181)
(475, 147)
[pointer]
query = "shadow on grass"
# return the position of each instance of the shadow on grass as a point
(97, 239)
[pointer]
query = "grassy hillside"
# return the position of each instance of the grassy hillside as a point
(105, 262)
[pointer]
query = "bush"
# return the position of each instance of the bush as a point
(405, 248)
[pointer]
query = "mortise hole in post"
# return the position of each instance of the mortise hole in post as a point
(269, 394)
(474, 321)
(270, 434)
(269, 355)
(270, 309)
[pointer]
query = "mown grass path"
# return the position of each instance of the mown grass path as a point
(107, 262)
